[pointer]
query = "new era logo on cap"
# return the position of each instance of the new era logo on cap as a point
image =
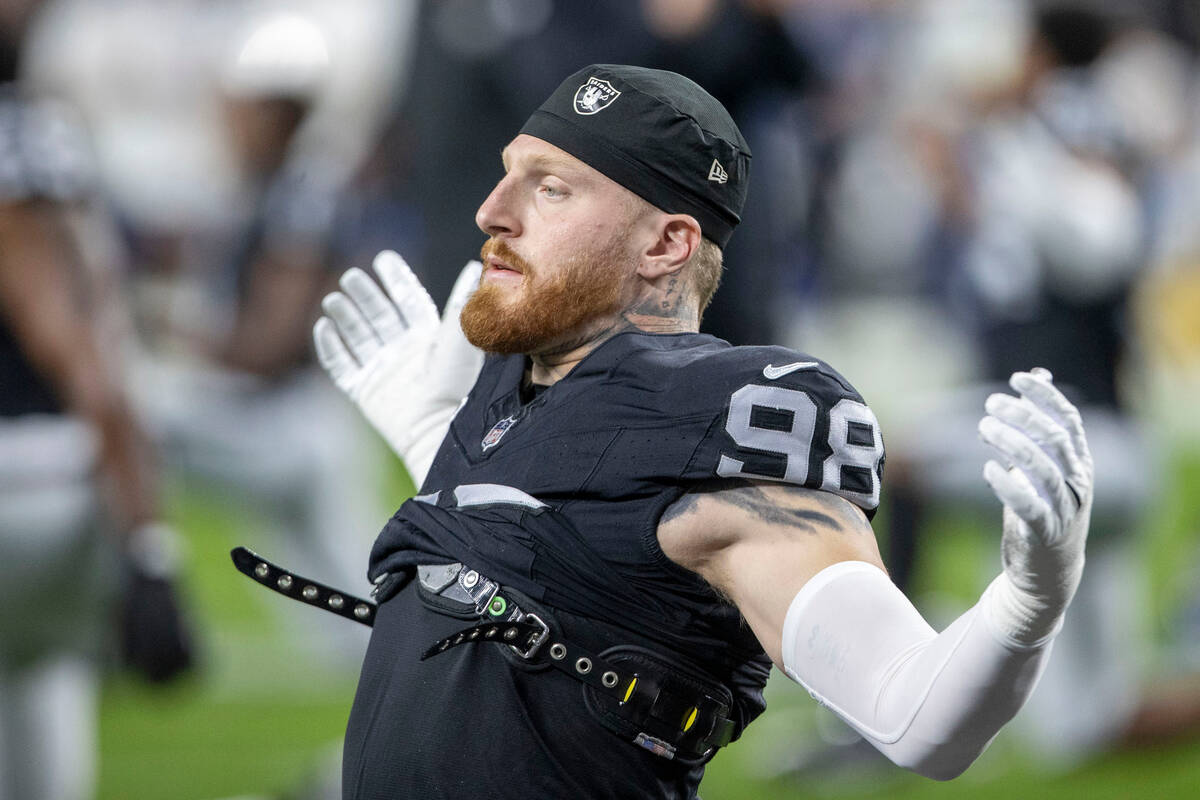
(594, 96)
(717, 173)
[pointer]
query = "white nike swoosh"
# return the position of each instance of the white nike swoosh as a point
(771, 373)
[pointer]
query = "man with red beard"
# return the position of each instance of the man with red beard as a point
(625, 522)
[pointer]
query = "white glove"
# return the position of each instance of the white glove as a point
(1047, 496)
(406, 371)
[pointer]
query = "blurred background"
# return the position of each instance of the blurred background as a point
(943, 191)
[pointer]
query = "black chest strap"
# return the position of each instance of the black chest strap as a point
(658, 709)
(663, 710)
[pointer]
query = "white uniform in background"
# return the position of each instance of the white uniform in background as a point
(52, 625)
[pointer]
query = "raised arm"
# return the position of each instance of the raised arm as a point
(802, 567)
(759, 543)
(385, 348)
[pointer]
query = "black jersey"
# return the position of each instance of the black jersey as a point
(560, 498)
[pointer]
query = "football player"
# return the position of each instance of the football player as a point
(73, 462)
(228, 382)
(626, 522)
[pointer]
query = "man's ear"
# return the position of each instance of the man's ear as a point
(676, 238)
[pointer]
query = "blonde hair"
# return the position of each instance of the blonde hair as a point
(706, 265)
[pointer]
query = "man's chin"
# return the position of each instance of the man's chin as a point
(502, 342)
(508, 317)
(508, 332)
(490, 320)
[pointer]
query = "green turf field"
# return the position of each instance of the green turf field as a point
(258, 720)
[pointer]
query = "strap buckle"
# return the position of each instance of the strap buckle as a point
(536, 644)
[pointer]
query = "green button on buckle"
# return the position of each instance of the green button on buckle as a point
(498, 606)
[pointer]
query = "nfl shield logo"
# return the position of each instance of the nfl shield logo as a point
(593, 96)
(497, 431)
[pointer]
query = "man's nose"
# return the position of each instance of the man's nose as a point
(496, 216)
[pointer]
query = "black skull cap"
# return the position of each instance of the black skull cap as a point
(656, 133)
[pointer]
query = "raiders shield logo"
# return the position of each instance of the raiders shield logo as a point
(594, 96)
(498, 430)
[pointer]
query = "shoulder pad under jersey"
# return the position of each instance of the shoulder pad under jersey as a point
(781, 415)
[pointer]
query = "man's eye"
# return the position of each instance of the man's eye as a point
(550, 191)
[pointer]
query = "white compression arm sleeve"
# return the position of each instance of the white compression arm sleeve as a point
(930, 702)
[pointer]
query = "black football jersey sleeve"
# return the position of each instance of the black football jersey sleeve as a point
(780, 415)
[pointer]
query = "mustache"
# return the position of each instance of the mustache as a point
(502, 251)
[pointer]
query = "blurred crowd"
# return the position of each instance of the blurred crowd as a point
(943, 191)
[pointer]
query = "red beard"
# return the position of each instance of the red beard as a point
(543, 313)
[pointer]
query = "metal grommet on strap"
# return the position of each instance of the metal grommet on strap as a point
(558, 651)
(528, 635)
(609, 679)
(298, 587)
(583, 666)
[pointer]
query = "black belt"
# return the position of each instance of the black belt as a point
(665, 713)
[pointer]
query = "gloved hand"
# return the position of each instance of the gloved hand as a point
(1047, 494)
(156, 639)
(406, 371)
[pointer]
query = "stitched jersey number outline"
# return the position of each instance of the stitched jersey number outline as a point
(850, 423)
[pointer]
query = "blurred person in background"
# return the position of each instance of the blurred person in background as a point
(227, 143)
(73, 461)
(229, 385)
